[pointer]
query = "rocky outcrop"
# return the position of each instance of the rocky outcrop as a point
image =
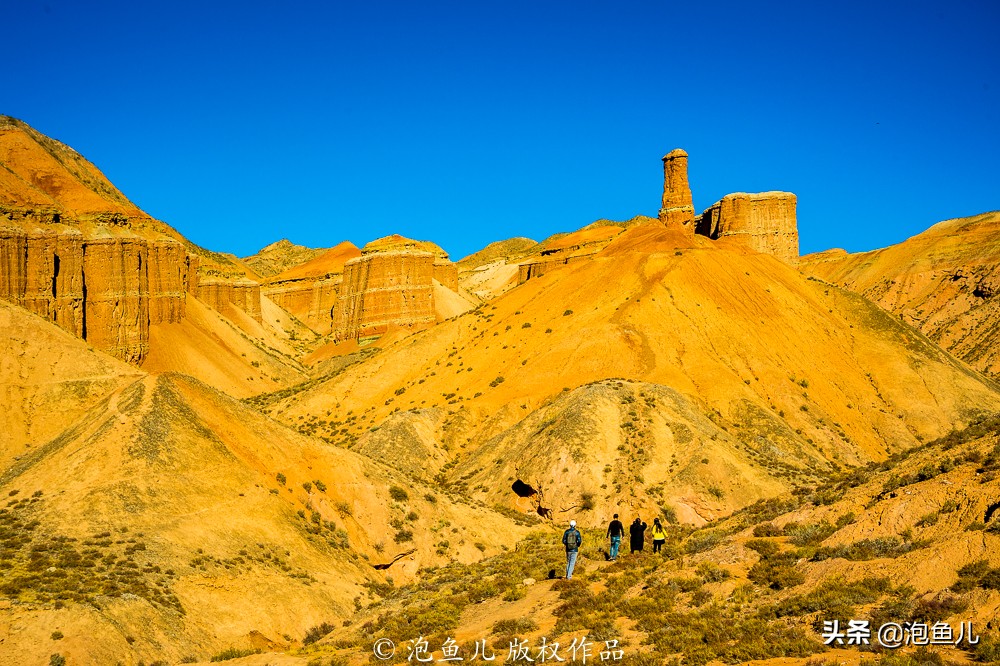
(106, 290)
(219, 294)
(382, 289)
(534, 269)
(76, 251)
(764, 222)
(311, 300)
(446, 273)
(390, 284)
(677, 206)
(309, 290)
(568, 248)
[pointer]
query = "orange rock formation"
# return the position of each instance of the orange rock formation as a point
(678, 207)
(76, 251)
(764, 222)
(218, 294)
(391, 283)
(309, 291)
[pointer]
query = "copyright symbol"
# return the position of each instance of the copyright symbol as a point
(384, 648)
(891, 635)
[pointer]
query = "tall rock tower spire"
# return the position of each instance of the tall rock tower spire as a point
(678, 207)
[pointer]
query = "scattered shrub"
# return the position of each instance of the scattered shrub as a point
(767, 530)
(317, 632)
(234, 653)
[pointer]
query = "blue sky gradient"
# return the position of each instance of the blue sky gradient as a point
(469, 122)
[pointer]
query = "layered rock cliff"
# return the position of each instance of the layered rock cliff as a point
(105, 290)
(309, 291)
(391, 284)
(764, 222)
(76, 251)
(220, 293)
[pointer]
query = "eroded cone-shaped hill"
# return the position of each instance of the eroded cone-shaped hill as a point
(798, 375)
(170, 520)
(944, 281)
(280, 256)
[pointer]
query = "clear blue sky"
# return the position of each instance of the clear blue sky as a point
(241, 123)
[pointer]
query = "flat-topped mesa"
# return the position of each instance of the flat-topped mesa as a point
(391, 284)
(764, 222)
(445, 271)
(678, 206)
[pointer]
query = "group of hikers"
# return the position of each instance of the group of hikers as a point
(572, 540)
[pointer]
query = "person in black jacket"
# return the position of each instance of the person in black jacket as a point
(572, 539)
(636, 533)
(615, 532)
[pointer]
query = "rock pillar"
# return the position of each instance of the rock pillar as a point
(678, 207)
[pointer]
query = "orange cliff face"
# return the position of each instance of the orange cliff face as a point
(309, 290)
(392, 283)
(74, 250)
(764, 222)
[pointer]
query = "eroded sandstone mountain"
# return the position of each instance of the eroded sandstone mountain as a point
(669, 367)
(392, 283)
(309, 290)
(75, 250)
(944, 281)
(764, 222)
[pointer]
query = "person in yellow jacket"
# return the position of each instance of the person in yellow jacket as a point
(659, 535)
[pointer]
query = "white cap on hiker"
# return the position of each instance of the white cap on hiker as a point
(572, 523)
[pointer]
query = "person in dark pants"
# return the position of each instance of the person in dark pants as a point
(615, 532)
(572, 539)
(659, 535)
(636, 533)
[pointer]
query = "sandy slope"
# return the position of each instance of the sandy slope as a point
(802, 373)
(944, 281)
